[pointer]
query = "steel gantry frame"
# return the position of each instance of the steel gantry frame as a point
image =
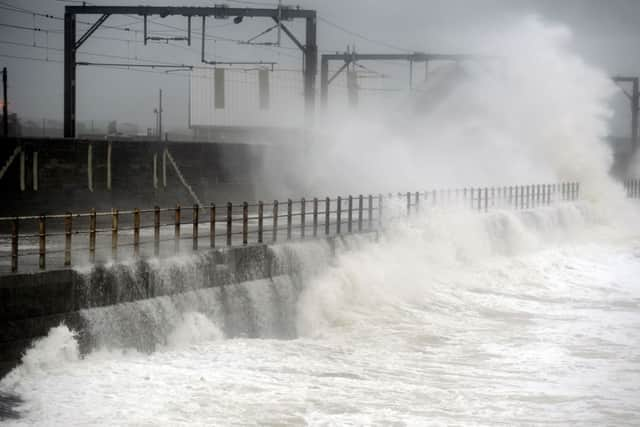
(352, 57)
(634, 98)
(280, 14)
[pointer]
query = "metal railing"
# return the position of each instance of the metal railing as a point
(36, 241)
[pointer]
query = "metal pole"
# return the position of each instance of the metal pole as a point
(635, 107)
(5, 103)
(42, 234)
(350, 214)
(212, 225)
(136, 232)
(67, 239)
(338, 214)
(315, 216)
(360, 212)
(69, 75)
(327, 216)
(229, 223)
(15, 227)
(196, 221)
(275, 221)
(114, 234)
(156, 231)
(160, 116)
(176, 230)
(408, 203)
(310, 69)
(260, 220)
(370, 209)
(92, 235)
(245, 223)
(289, 218)
(303, 220)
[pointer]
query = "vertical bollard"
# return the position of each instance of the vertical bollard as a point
(92, 236)
(67, 239)
(156, 231)
(303, 214)
(229, 223)
(408, 203)
(15, 226)
(176, 230)
(360, 212)
(195, 220)
(338, 214)
(245, 223)
(260, 221)
(42, 233)
(114, 234)
(315, 216)
(327, 216)
(212, 225)
(274, 231)
(370, 212)
(350, 214)
(289, 218)
(136, 232)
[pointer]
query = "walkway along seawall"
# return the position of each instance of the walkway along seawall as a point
(84, 265)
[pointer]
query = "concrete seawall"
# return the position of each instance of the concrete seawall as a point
(31, 304)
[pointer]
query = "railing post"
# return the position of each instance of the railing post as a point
(245, 223)
(67, 239)
(380, 210)
(564, 192)
(229, 223)
(15, 230)
(338, 214)
(156, 231)
(370, 212)
(360, 212)
(212, 225)
(176, 229)
(528, 196)
(479, 199)
(136, 232)
(114, 234)
(275, 221)
(577, 190)
(327, 216)
(196, 221)
(350, 214)
(92, 235)
(548, 194)
(42, 233)
(289, 218)
(486, 199)
(303, 219)
(260, 221)
(315, 216)
(408, 203)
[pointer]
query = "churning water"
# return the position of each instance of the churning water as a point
(451, 318)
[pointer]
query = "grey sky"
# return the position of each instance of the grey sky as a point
(605, 33)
